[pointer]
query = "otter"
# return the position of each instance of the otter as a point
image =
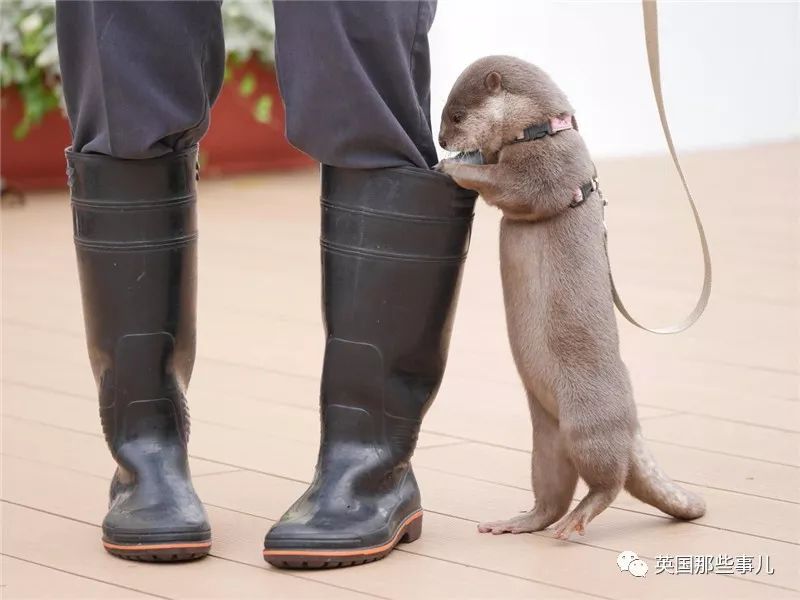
(557, 292)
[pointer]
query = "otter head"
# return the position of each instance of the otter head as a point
(493, 100)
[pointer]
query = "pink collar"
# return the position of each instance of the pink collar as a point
(551, 127)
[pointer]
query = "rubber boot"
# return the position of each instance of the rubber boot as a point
(136, 236)
(393, 245)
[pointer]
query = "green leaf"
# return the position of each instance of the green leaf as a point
(262, 112)
(248, 85)
(13, 71)
(22, 128)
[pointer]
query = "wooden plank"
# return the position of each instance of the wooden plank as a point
(754, 515)
(760, 342)
(239, 536)
(735, 439)
(450, 415)
(30, 534)
(237, 284)
(24, 579)
(462, 495)
(403, 574)
(662, 380)
(479, 501)
(300, 429)
(511, 467)
(533, 556)
(767, 333)
(469, 463)
(25, 438)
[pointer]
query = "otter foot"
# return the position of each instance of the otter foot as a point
(575, 521)
(528, 522)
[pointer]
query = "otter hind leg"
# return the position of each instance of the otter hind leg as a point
(599, 451)
(554, 478)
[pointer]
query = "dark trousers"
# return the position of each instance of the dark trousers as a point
(140, 78)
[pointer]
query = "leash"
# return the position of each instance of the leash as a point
(650, 10)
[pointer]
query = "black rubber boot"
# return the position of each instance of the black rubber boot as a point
(393, 245)
(136, 237)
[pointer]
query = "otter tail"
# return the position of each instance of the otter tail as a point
(647, 482)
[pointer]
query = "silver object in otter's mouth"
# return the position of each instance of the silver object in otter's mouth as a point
(472, 157)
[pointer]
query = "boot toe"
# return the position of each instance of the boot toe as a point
(158, 523)
(299, 536)
(157, 534)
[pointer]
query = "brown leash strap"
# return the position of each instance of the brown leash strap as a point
(650, 8)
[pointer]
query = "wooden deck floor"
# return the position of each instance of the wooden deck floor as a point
(719, 404)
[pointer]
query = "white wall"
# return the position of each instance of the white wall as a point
(731, 70)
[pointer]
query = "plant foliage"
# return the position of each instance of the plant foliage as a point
(29, 54)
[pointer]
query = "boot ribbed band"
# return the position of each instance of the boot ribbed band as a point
(403, 214)
(113, 201)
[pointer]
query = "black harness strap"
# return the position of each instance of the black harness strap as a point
(541, 130)
(585, 191)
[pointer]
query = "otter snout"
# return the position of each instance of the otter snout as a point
(451, 138)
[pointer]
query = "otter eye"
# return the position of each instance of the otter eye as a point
(457, 117)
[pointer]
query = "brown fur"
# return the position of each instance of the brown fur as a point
(559, 307)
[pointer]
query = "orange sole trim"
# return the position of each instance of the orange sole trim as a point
(168, 546)
(350, 553)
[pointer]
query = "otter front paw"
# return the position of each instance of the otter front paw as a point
(443, 164)
(459, 172)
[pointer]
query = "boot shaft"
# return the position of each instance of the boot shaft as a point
(393, 245)
(135, 237)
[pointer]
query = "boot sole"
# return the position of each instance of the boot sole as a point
(409, 531)
(167, 552)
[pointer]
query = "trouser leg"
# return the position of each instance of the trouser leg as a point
(139, 77)
(355, 81)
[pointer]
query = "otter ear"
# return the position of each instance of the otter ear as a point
(493, 82)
